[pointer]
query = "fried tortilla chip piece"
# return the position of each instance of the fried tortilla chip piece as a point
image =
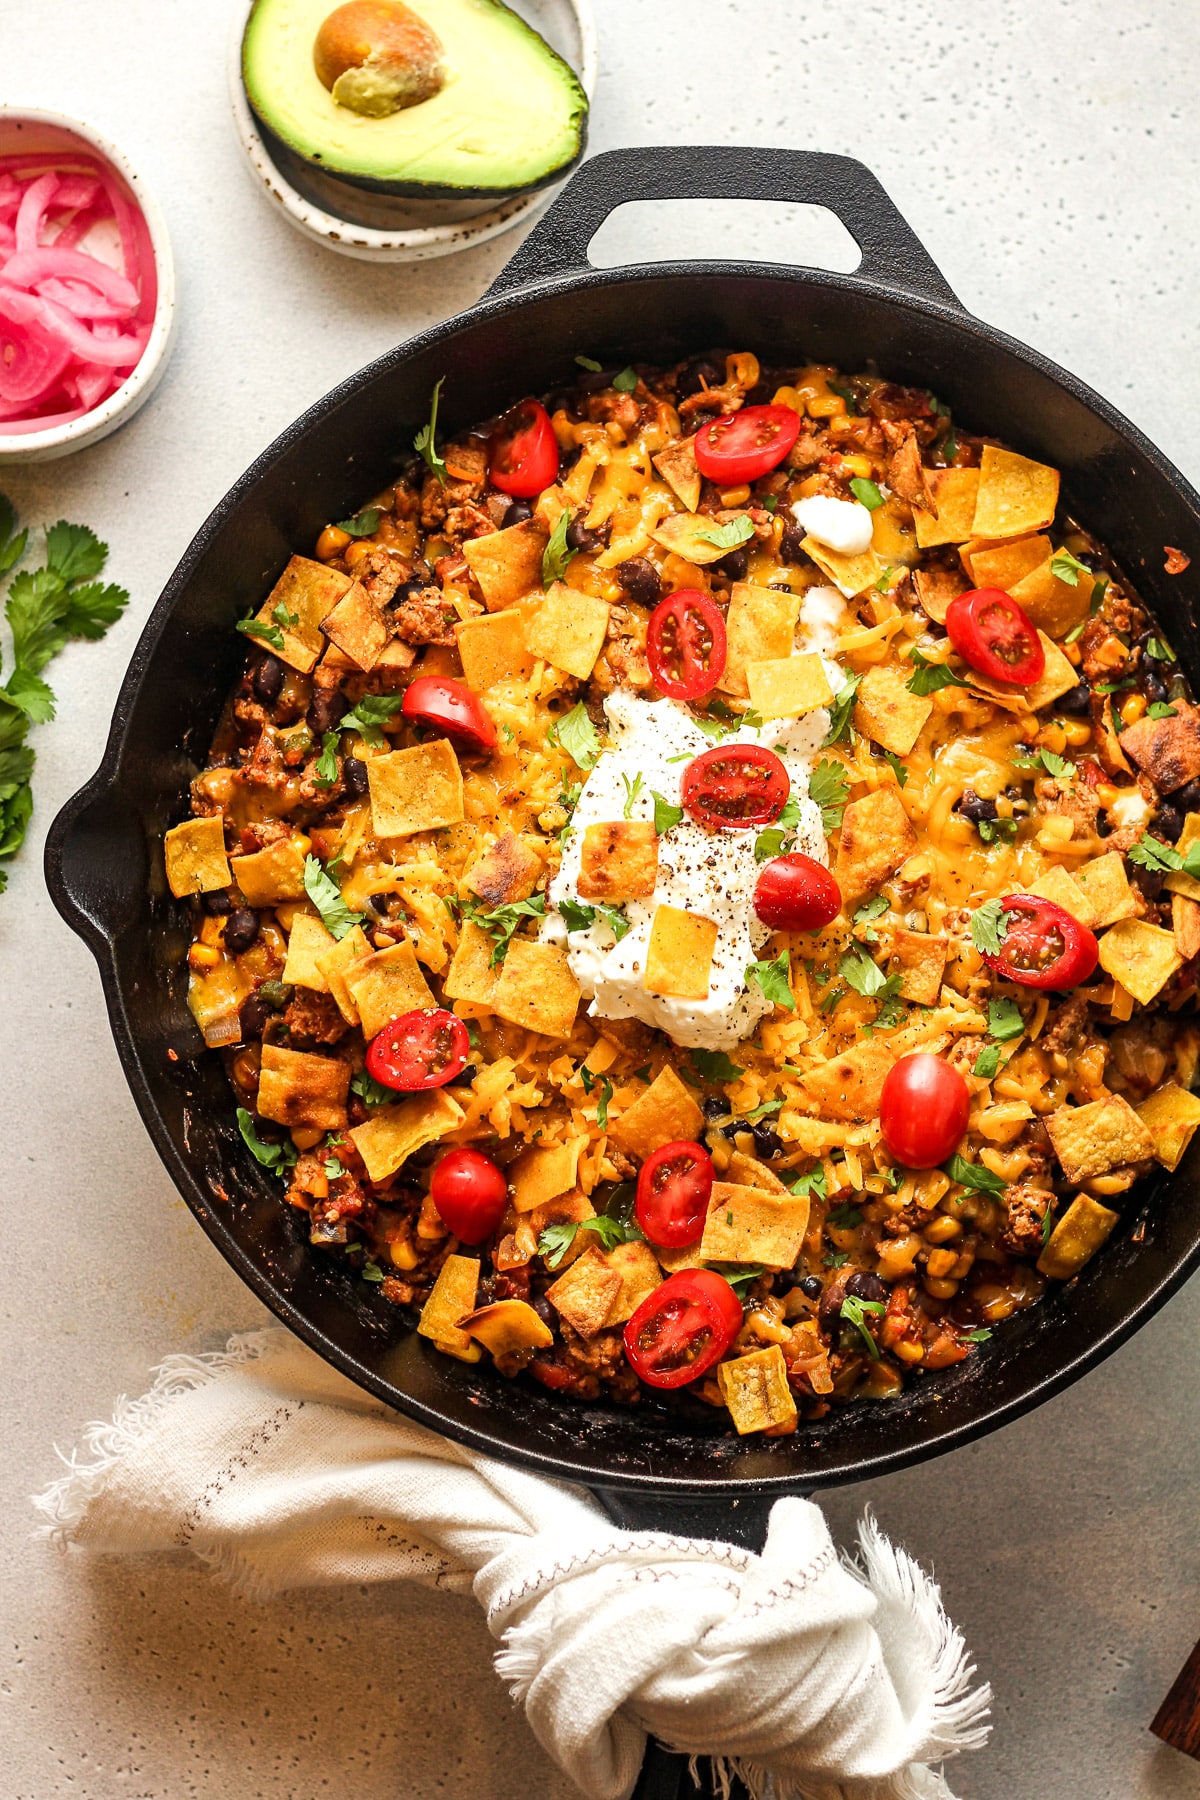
(1016, 495)
(640, 1274)
(1000, 565)
(415, 790)
(747, 1171)
(568, 630)
(886, 712)
(1141, 956)
(954, 494)
(307, 940)
(586, 1293)
(386, 985)
(848, 1086)
(1185, 924)
(537, 989)
(760, 626)
(1105, 887)
(1171, 1115)
(665, 1114)
(1054, 605)
(754, 1225)
(691, 536)
(755, 1389)
(507, 1328)
(1097, 1138)
(1177, 881)
(358, 628)
(935, 589)
(393, 1133)
(678, 468)
(851, 575)
(679, 954)
(877, 837)
(493, 647)
(1058, 678)
(471, 975)
(195, 857)
(540, 1175)
(506, 873)
(1168, 750)
(906, 474)
(334, 965)
(507, 565)
(451, 1299)
(297, 606)
(786, 687)
(1063, 890)
(921, 962)
(276, 873)
(1078, 1235)
(296, 1089)
(619, 861)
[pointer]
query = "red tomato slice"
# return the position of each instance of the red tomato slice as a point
(743, 445)
(423, 1049)
(685, 645)
(796, 893)
(524, 452)
(449, 706)
(673, 1192)
(731, 788)
(996, 636)
(923, 1111)
(683, 1328)
(470, 1193)
(1045, 946)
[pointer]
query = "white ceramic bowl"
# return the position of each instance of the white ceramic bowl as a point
(384, 228)
(26, 128)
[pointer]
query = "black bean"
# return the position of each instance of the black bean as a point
(735, 564)
(1187, 796)
(767, 1142)
(760, 395)
(325, 709)
(545, 1311)
(640, 580)
(791, 544)
(866, 1287)
(580, 538)
(253, 1015)
(1149, 881)
(1153, 685)
(713, 1107)
(973, 808)
(1168, 821)
(518, 512)
(811, 1286)
(1077, 703)
(218, 902)
(699, 374)
(379, 902)
(241, 929)
(354, 777)
(268, 680)
(406, 590)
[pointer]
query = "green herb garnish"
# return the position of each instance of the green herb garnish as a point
(854, 1313)
(773, 979)
(502, 921)
(370, 1091)
(829, 789)
(1068, 568)
(840, 710)
(989, 927)
(278, 1158)
(557, 553)
(632, 790)
(589, 363)
(866, 493)
(974, 1176)
(425, 442)
(576, 734)
(714, 1065)
(326, 897)
(930, 676)
(666, 816)
(556, 1240)
(369, 715)
(626, 381)
(362, 524)
(729, 535)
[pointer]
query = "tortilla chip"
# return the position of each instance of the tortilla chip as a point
(565, 1209)
(1106, 890)
(539, 1175)
(195, 857)
(1058, 678)
(506, 873)
(921, 961)
(585, 1294)
(507, 564)
(1063, 890)
(392, 1133)
(848, 1086)
(677, 466)
(1141, 956)
(1097, 1138)
(999, 565)
(452, 1298)
(568, 630)
(1185, 924)
(415, 790)
(1016, 495)
(665, 1114)
(297, 605)
(507, 1328)
(357, 626)
(276, 873)
(296, 1089)
(1080, 1232)
(679, 954)
(640, 1274)
(877, 837)
(760, 626)
(754, 1225)
(1177, 882)
(493, 647)
(851, 575)
(690, 535)
(1171, 1115)
(307, 940)
(1167, 749)
(619, 861)
(935, 589)
(886, 712)
(907, 476)
(386, 985)
(747, 1171)
(955, 492)
(1054, 606)
(471, 975)
(334, 964)
(537, 989)
(786, 687)
(755, 1389)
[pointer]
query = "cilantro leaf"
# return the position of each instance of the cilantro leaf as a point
(866, 493)
(765, 1111)
(12, 541)
(989, 927)
(897, 767)
(326, 772)
(741, 1276)
(74, 552)
(257, 628)
(369, 715)
(729, 535)
(632, 790)
(980, 1335)
(871, 909)
(1068, 568)
(844, 1217)
(626, 381)
(950, 445)
(425, 442)
(278, 1158)
(813, 1183)
(589, 363)
(30, 695)
(557, 555)
(1151, 853)
(575, 915)
(89, 611)
(1004, 1020)
(371, 1271)
(840, 711)
(987, 1063)
(974, 1176)
(614, 917)
(362, 524)
(502, 921)
(576, 734)
(930, 676)
(773, 979)
(666, 816)
(326, 896)
(714, 1065)
(606, 1094)
(1160, 650)
(556, 1240)
(771, 842)
(1159, 709)
(992, 831)
(863, 974)
(1058, 766)
(835, 1259)
(854, 1312)
(370, 1091)
(829, 789)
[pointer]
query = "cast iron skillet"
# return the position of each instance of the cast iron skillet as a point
(104, 860)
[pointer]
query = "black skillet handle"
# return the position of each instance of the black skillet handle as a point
(891, 252)
(96, 863)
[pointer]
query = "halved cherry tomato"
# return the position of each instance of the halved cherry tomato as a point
(743, 445)
(673, 1191)
(923, 1111)
(796, 893)
(996, 636)
(470, 1193)
(422, 1049)
(731, 788)
(1044, 946)
(683, 1328)
(685, 645)
(524, 452)
(449, 706)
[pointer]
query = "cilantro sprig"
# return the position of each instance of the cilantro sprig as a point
(928, 676)
(829, 789)
(989, 927)
(854, 1312)
(1151, 853)
(362, 524)
(866, 493)
(730, 535)
(975, 1176)
(558, 552)
(840, 711)
(502, 921)
(276, 1158)
(774, 979)
(578, 915)
(556, 1240)
(326, 896)
(425, 442)
(576, 734)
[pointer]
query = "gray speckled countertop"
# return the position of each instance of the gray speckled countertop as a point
(1046, 153)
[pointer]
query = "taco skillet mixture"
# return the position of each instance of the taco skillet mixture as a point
(698, 890)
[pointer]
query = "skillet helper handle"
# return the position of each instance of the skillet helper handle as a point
(96, 863)
(891, 251)
(1177, 1721)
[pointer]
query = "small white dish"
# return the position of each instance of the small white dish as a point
(24, 128)
(384, 228)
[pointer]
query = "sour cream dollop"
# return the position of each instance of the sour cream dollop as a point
(841, 525)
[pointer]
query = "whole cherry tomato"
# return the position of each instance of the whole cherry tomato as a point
(743, 445)
(683, 1328)
(470, 1193)
(524, 452)
(685, 645)
(796, 893)
(422, 1049)
(449, 706)
(1044, 946)
(731, 788)
(673, 1189)
(923, 1111)
(996, 636)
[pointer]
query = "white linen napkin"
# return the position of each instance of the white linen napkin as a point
(810, 1677)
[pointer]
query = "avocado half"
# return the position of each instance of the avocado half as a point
(510, 117)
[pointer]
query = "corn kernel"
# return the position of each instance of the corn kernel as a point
(1106, 794)
(941, 1290)
(942, 1231)
(401, 1255)
(305, 1137)
(787, 396)
(940, 1262)
(824, 406)
(1132, 708)
(839, 424)
(735, 496)
(858, 464)
(909, 1352)
(331, 543)
(1076, 732)
(203, 956)
(1053, 737)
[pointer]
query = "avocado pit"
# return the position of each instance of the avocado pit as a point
(376, 57)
